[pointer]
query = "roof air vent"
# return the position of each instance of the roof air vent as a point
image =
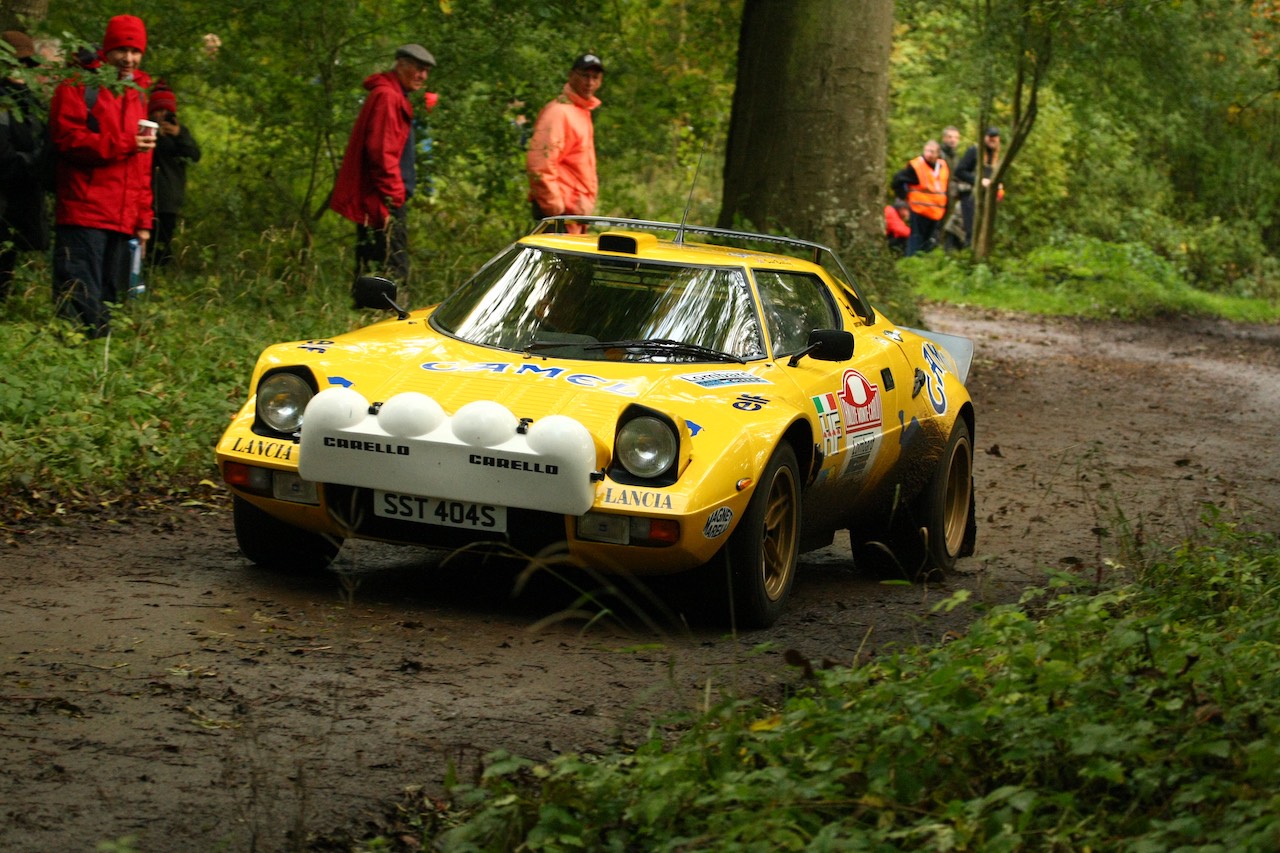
(624, 243)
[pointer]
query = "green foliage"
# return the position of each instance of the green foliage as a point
(1081, 277)
(1140, 715)
(91, 420)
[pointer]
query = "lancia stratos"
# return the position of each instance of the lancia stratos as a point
(641, 397)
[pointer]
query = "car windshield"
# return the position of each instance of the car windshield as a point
(561, 304)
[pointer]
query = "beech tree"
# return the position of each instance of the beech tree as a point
(806, 146)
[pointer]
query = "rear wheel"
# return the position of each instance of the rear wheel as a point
(761, 554)
(925, 536)
(945, 508)
(272, 544)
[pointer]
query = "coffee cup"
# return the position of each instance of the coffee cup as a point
(147, 128)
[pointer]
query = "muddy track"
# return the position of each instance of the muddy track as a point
(157, 686)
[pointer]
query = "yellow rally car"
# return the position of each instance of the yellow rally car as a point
(643, 401)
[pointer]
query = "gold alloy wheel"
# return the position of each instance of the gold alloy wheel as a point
(959, 494)
(780, 533)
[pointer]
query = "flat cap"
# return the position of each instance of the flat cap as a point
(416, 52)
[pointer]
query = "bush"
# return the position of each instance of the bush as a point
(1141, 715)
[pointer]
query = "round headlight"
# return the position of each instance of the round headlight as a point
(646, 446)
(282, 397)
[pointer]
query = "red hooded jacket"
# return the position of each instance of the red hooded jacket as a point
(103, 180)
(370, 172)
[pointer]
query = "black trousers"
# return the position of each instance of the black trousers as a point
(385, 251)
(90, 271)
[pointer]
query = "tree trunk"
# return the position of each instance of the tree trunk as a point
(22, 14)
(806, 145)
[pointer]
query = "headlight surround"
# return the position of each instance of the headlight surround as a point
(646, 447)
(282, 398)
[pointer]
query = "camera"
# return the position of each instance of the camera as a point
(171, 117)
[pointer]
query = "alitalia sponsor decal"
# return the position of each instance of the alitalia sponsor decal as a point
(724, 378)
(535, 371)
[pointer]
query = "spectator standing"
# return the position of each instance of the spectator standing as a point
(923, 184)
(561, 156)
(378, 174)
(896, 229)
(24, 222)
(175, 148)
(949, 145)
(103, 179)
(967, 175)
(952, 224)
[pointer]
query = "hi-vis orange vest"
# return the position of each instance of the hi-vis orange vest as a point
(928, 195)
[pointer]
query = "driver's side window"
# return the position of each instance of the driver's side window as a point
(794, 305)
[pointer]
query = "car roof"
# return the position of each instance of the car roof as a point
(718, 246)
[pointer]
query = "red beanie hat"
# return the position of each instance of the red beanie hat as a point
(125, 31)
(162, 99)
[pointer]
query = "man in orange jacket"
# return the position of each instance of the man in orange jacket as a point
(923, 183)
(561, 159)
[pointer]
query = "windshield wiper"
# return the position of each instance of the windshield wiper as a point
(666, 346)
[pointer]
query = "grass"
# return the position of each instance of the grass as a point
(1139, 713)
(1086, 278)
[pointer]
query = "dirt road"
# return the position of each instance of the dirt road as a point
(157, 686)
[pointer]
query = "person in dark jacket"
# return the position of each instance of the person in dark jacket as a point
(378, 175)
(175, 148)
(24, 222)
(103, 180)
(967, 175)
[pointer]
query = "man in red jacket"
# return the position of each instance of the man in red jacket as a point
(378, 176)
(103, 180)
(561, 159)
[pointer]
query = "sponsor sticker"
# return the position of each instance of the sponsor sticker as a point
(724, 378)
(536, 371)
(717, 522)
(750, 402)
(829, 417)
(935, 378)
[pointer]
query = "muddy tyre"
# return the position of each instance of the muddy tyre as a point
(759, 560)
(945, 508)
(272, 544)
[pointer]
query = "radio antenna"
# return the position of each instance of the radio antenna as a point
(689, 202)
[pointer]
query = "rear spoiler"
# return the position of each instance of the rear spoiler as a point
(961, 349)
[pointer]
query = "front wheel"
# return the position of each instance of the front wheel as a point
(761, 554)
(272, 544)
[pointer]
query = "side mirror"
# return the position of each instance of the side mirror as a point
(374, 291)
(830, 345)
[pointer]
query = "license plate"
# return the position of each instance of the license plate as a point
(445, 513)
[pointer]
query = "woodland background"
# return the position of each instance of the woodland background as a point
(1152, 123)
